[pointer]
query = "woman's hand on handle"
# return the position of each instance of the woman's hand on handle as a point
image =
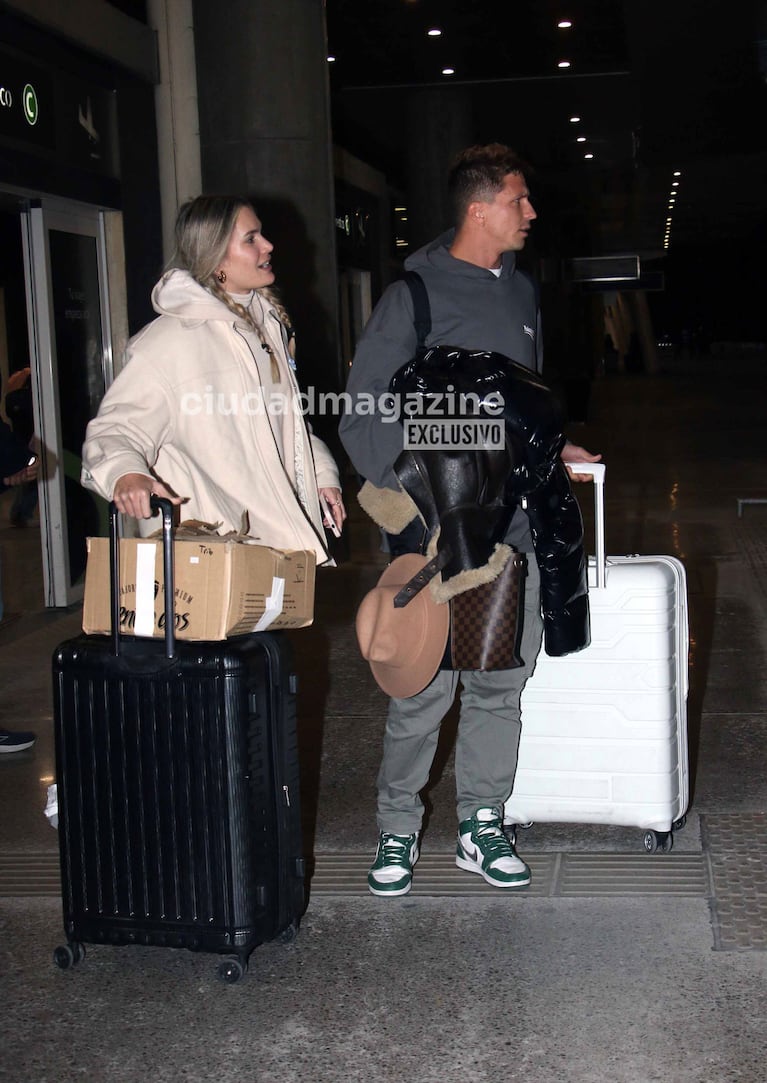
(132, 492)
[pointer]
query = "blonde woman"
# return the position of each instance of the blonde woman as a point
(207, 410)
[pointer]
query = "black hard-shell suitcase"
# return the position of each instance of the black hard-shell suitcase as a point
(178, 790)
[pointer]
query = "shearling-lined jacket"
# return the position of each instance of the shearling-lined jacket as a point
(467, 497)
(190, 408)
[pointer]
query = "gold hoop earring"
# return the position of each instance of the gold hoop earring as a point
(221, 276)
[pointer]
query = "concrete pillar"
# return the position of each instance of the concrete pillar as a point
(439, 126)
(265, 133)
(178, 126)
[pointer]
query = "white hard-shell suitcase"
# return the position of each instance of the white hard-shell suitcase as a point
(604, 731)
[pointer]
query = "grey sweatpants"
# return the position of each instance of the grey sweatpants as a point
(488, 732)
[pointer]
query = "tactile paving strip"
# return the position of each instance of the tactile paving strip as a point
(738, 860)
(553, 875)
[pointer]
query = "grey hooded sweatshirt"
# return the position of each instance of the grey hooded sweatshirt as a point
(471, 308)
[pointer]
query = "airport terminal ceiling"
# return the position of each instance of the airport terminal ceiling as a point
(671, 142)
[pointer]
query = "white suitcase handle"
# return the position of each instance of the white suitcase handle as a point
(597, 472)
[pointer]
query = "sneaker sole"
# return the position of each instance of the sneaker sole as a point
(392, 893)
(16, 748)
(470, 866)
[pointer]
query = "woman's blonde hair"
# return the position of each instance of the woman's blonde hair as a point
(203, 228)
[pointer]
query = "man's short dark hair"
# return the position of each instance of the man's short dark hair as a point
(477, 174)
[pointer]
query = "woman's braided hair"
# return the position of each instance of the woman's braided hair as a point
(203, 228)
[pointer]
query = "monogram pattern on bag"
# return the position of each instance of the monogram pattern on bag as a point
(486, 621)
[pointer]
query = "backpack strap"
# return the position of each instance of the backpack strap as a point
(421, 306)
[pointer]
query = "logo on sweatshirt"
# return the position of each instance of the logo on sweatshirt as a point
(530, 331)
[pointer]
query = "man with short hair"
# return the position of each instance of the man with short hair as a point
(478, 300)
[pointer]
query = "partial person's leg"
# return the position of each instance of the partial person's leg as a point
(486, 755)
(489, 727)
(410, 742)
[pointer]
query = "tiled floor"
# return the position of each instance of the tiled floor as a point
(617, 966)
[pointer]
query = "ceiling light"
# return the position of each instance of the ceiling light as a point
(331, 59)
(563, 64)
(677, 173)
(675, 184)
(564, 24)
(435, 32)
(448, 71)
(581, 139)
(575, 120)
(588, 155)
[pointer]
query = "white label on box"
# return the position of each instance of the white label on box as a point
(145, 558)
(273, 605)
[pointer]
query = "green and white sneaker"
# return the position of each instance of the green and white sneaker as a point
(392, 871)
(483, 848)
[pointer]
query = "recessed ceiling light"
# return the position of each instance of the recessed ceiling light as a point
(563, 64)
(588, 155)
(581, 139)
(564, 24)
(331, 59)
(675, 184)
(677, 173)
(448, 71)
(575, 120)
(435, 32)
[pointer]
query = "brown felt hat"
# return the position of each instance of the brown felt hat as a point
(404, 646)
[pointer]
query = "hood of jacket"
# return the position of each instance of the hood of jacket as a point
(180, 295)
(435, 256)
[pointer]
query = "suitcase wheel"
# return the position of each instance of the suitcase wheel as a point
(231, 970)
(658, 840)
(67, 955)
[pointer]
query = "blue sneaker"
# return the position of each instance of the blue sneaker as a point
(15, 742)
(392, 871)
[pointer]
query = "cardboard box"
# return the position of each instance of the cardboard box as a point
(224, 586)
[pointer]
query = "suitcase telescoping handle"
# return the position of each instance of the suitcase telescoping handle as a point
(597, 472)
(166, 509)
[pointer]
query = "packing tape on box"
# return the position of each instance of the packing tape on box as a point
(145, 590)
(273, 603)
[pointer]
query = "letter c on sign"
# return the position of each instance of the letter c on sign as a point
(6, 98)
(30, 104)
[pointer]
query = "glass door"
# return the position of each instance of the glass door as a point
(69, 333)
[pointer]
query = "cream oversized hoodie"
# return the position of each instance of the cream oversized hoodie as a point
(190, 408)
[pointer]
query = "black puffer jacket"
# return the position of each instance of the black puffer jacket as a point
(470, 495)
